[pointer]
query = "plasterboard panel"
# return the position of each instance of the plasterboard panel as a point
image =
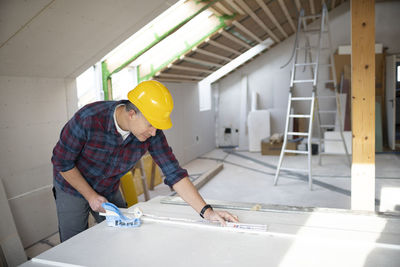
(32, 113)
(56, 43)
(10, 243)
(35, 216)
(15, 13)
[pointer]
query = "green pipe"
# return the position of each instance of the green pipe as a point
(162, 37)
(105, 75)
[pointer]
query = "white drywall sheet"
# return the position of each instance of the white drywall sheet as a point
(293, 239)
(336, 147)
(259, 128)
(10, 243)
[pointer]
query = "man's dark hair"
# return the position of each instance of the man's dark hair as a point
(130, 106)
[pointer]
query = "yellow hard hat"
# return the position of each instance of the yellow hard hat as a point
(154, 101)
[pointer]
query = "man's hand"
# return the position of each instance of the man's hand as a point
(95, 202)
(220, 216)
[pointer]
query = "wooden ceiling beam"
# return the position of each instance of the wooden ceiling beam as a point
(180, 76)
(161, 79)
(288, 17)
(235, 39)
(246, 31)
(312, 7)
(236, 7)
(257, 20)
(271, 16)
(223, 8)
(227, 48)
(178, 67)
(211, 54)
(201, 62)
(298, 5)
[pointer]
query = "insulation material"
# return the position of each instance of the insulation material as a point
(336, 147)
(259, 128)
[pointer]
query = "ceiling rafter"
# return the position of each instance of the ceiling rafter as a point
(312, 7)
(180, 76)
(271, 16)
(298, 5)
(178, 67)
(201, 62)
(286, 12)
(246, 31)
(235, 39)
(161, 79)
(258, 20)
(236, 7)
(221, 7)
(227, 48)
(211, 54)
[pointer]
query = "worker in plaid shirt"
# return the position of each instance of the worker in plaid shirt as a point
(102, 142)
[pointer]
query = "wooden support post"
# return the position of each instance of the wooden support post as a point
(363, 104)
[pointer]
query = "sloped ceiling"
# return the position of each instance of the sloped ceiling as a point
(62, 38)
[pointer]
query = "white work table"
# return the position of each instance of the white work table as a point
(294, 238)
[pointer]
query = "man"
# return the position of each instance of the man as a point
(102, 142)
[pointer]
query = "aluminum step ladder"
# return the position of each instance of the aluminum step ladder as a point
(311, 62)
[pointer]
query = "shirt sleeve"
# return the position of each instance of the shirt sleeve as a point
(72, 139)
(163, 156)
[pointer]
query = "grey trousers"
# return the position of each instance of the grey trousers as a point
(73, 212)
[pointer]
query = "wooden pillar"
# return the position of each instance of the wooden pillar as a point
(363, 104)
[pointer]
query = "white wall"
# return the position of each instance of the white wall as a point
(32, 112)
(192, 133)
(272, 83)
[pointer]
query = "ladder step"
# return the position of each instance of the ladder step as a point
(316, 16)
(299, 116)
(295, 151)
(298, 133)
(312, 47)
(294, 170)
(328, 111)
(327, 126)
(305, 64)
(301, 98)
(303, 81)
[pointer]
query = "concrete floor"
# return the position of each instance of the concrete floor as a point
(248, 177)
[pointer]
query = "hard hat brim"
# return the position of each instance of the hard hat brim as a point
(162, 125)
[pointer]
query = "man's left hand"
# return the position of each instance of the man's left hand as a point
(220, 216)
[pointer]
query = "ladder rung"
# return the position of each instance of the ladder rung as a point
(327, 111)
(305, 64)
(301, 98)
(312, 47)
(298, 133)
(294, 170)
(327, 126)
(299, 116)
(303, 81)
(295, 151)
(316, 16)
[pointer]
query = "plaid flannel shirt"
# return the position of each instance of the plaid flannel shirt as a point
(90, 142)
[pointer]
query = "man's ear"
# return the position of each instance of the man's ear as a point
(131, 113)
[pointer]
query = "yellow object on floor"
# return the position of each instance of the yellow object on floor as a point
(148, 168)
(128, 189)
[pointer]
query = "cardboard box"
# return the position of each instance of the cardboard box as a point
(275, 149)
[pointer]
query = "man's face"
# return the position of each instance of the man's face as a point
(140, 127)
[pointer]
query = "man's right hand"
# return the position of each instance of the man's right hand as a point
(95, 203)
